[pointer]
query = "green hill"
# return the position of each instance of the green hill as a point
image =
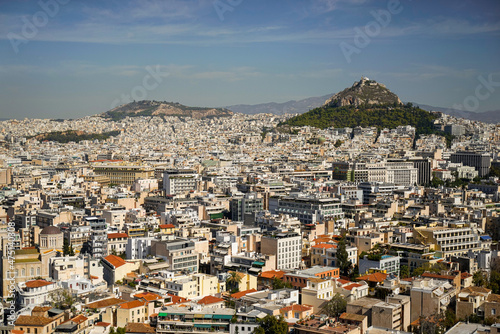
(380, 116)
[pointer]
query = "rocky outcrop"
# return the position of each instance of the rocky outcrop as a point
(365, 91)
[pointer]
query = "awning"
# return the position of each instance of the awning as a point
(217, 316)
(203, 325)
(199, 316)
(162, 314)
(227, 316)
(189, 316)
(258, 263)
(208, 316)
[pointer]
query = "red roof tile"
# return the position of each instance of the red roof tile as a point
(167, 226)
(352, 286)
(115, 261)
(240, 294)
(37, 283)
(272, 274)
(149, 296)
(117, 235)
(375, 277)
(132, 304)
(210, 300)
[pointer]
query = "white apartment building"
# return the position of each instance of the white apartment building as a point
(286, 246)
(179, 181)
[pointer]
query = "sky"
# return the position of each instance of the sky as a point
(70, 59)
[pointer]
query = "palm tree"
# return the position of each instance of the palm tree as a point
(233, 281)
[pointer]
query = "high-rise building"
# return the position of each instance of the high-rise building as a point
(98, 243)
(480, 161)
(424, 170)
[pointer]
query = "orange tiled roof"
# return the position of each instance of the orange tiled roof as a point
(37, 283)
(177, 299)
(272, 274)
(296, 307)
(117, 235)
(465, 275)
(17, 331)
(148, 296)
(102, 324)
(352, 286)
(115, 261)
(105, 303)
(167, 226)
(343, 281)
(210, 300)
(324, 246)
(138, 327)
(240, 294)
(375, 277)
(132, 304)
(438, 276)
(79, 319)
(30, 320)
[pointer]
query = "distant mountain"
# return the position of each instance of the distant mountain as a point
(157, 108)
(290, 107)
(366, 103)
(492, 116)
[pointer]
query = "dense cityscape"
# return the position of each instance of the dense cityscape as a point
(164, 228)
(249, 167)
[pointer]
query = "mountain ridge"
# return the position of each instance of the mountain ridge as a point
(163, 108)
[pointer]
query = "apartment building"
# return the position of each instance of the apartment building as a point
(124, 174)
(480, 161)
(179, 253)
(325, 254)
(286, 246)
(179, 181)
(394, 313)
(247, 204)
(98, 243)
(430, 297)
(387, 263)
(309, 209)
(452, 239)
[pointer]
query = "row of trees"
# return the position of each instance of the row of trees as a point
(74, 136)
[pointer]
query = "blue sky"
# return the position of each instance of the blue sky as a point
(86, 56)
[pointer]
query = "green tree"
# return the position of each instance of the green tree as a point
(338, 143)
(66, 248)
(405, 272)
(120, 330)
(335, 306)
(479, 279)
(279, 284)
(272, 325)
(112, 330)
(354, 273)
(343, 261)
(233, 282)
(494, 283)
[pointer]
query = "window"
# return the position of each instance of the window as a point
(493, 311)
